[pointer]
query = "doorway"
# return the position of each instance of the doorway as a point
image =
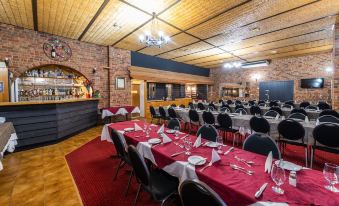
(4, 90)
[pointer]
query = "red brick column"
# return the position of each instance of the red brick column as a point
(335, 93)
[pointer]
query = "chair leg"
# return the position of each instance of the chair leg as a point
(129, 183)
(137, 196)
(312, 156)
(306, 156)
(234, 135)
(118, 168)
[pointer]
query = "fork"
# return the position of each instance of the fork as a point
(208, 165)
(248, 163)
(236, 167)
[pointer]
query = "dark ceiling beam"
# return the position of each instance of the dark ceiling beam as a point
(35, 14)
(103, 5)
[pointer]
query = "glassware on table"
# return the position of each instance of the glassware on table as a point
(176, 133)
(278, 176)
(220, 142)
(148, 131)
(331, 172)
(188, 146)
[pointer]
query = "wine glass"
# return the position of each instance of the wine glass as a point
(148, 131)
(220, 142)
(278, 176)
(176, 133)
(331, 172)
(188, 146)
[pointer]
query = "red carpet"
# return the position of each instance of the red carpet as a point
(93, 170)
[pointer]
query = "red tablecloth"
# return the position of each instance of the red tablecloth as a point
(235, 187)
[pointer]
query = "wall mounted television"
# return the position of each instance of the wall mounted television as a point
(312, 83)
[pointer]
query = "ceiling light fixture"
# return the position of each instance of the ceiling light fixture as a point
(231, 65)
(154, 38)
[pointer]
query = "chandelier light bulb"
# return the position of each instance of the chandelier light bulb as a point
(141, 38)
(161, 33)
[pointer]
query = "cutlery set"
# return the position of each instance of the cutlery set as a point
(236, 167)
(248, 163)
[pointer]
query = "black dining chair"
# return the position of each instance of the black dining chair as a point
(225, 109)
(251, 102)
(326, 138)
(262, 104)
(311, 107)
(287, 106)
(255, 110)
(291, 103)
(212, 106)
(191, 105)
(273, 104)
(271, 113)
(260, 125)
(173, 123)
(304, 104)
(163, 115)
(292, 132)
(297, 116)
(237, 102)
(277, 109)
(194, 193)
(173, 105)
(159, 184)
(323, 106)
(171, 113)
(229, 102)
(194, 120)
(208, 118)
(261, 101)
(208, 132)
(225, 125)
(239, 106)
(121, 149)
(154, 115)
(328, 118)
(329, 112)
(201, 106)
(299, 110)
(241, 110)
(261, 144)
(182, 106)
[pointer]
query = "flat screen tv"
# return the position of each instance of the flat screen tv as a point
(312, 83)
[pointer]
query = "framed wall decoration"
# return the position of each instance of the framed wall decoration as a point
(120, 83)
(57, 50)
(2, 87)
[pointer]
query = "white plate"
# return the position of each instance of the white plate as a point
(154, 141)
(129, 129)
(170, 131)
(289, 166)
(196, 160)
(212, 144)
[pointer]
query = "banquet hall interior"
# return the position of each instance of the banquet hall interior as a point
(169, 102)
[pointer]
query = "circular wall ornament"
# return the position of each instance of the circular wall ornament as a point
(57, 50)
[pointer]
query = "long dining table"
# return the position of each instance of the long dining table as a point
(235, 187)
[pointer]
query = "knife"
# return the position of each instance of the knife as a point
(229, 150)
(261, 190)
(177, 153)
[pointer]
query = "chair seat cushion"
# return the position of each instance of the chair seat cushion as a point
(163, 184)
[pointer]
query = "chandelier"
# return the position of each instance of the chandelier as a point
(154, 38)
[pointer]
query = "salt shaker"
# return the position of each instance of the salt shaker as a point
(292, 180)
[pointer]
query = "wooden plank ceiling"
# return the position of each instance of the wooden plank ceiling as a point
(205, 33)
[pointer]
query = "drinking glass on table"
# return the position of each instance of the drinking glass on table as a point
(278, 177)
(188, 146)
(148, 131)
(331, 172)
(176, 132)
(220, 142)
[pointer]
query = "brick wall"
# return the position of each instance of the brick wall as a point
(335, 99)
(24, 49)
(293, 68)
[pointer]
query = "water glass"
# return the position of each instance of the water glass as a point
(220, 142)
(188, 146)
(148, 131)
(176, 133)
(331, 172)
(278, 176)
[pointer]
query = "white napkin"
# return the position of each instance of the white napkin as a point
(161, 129)
(2, 120)
(306, 119)
(242, 131)
(317, 122)
(215, 156)
(121, 131)
(240, 112)
(165, 138)
(277, 117)
(137, 127)
(268, 163)
(197, 142)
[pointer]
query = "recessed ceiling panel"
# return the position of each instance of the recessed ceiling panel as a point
(18, 13)
(186, 50)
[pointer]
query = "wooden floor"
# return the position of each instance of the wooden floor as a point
(41, 176)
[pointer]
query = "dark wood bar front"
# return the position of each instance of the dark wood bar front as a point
(45, 122)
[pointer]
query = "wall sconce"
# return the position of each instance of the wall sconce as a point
(94, 70)
(329, 69)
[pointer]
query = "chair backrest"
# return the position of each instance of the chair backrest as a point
(255, 110)
(173, 105)
(277, 109)
(191, 105)
(323, 106)
(208, 117)
(304, 104)
(291, 103)
(220, 101)
(213, 106)
(162, 112)
(224, 120)
(172, 113)
(329, 112)
(238, 106)
(259, 124)
(296, 110)
(195, 192)
(271, 113)
(182, 106)
(261, 144)
(262, 104)
(251, 102)
(297, 116)
(311, 107)
(208, 132)
(119, 143)
(201, 106)
(261, 101)
(193, 115)
(210, 108)
(273, 104)
(229, 101)
(287, 106)
(152, 110)
(291, 130)
(328, 118)
(140, 168)
(327, 134)
(242, 110)
(237, 102)
(173, 123)
(225, 109)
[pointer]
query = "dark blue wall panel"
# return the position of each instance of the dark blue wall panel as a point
(278, 90)
(143, 60)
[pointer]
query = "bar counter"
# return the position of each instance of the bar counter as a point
(38, 123)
